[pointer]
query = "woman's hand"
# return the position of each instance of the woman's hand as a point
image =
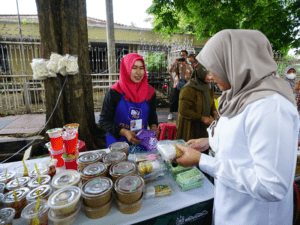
(206, 120)
(215, 114)
(198, 144)
(130, 135)
(190, 157)
(154, 128)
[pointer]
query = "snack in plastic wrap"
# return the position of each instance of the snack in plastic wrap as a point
(162, 190)
(178, 169)
(39, 69)
(142, 168)
(62, 64)
(168, 149)
(72, 65)
(148, 140)
(53, 64)
(190, 179)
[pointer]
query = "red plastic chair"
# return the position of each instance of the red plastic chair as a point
(163, 128)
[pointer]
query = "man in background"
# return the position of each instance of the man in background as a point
(183, 73)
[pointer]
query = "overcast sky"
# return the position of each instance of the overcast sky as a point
(125, 11)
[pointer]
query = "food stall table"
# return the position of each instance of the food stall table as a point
(178, 208)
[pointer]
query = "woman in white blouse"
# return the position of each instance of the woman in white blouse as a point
(255, 140)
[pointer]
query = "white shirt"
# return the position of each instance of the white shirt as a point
(254, 164)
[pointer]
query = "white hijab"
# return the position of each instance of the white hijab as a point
(243, 58)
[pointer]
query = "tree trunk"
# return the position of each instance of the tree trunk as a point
(63, 29)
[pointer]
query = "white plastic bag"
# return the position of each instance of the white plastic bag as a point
(62, 64)
(72, 65)
(53, 64)
(39, 68)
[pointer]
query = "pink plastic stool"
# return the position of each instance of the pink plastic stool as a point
(163, 128)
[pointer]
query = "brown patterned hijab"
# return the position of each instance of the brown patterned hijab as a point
(243, 58)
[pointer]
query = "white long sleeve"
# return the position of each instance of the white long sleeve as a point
(256, 155)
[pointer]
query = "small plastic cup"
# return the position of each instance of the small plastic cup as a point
(57, 155)
(19, 203)
(14, 184)
(71, 163)
(9, 176)
(7, 215)
(29, 213)
(56, 139)
(43, 170)
(44, 193)
(69, 140)
(72, 127)
(34, 183)
(2, 187)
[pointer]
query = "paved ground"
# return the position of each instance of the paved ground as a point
(30, 123)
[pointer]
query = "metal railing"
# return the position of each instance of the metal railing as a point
(21, 94)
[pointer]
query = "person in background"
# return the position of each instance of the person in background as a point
(255, 140)
(130, 104)
(290, 76)
(196, 106)
(183, 73)
(192, 61)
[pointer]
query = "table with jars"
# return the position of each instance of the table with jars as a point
(106, 186)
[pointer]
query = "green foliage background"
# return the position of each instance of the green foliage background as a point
(156, 61)
(279, 20)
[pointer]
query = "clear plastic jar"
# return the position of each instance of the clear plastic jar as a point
(120, 169)
(96, 213)
(7, 215)
(93, 170)
(65, 200)
(67, 178)
(67, 219)
(44, 192)
(97, 192)
(101, 153)
(19, 203)
(86, 159)
(130, 208)
(129, 188)
(119, 147)
(30, 212)
(13, 184)
(113, 157)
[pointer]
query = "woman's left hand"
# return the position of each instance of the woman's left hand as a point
(189, 157)
(215, 113)
(154, 128)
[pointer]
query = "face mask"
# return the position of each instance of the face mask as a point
(291, 76)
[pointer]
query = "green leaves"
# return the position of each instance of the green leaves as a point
(279, 20)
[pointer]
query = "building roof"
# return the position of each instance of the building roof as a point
(34, 19)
